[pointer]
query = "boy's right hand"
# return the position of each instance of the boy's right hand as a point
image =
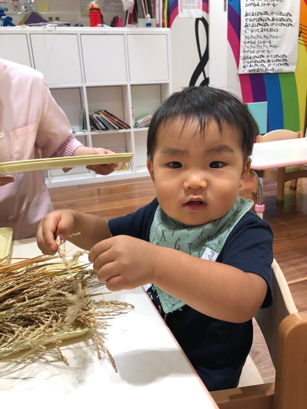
(59, 223)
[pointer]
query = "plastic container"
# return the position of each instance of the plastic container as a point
(96, 19)
(148, 20)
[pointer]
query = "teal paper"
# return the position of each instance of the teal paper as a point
(259, 111)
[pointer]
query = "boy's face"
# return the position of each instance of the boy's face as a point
(197, 177)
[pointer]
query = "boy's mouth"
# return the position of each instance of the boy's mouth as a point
(194, 205)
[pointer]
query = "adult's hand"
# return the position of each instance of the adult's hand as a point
(100, 169)
(4, 180)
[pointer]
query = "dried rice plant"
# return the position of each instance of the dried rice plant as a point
(43, 301)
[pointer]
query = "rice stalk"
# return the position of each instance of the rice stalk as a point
(43, 301)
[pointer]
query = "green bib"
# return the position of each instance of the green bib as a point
(204, 241)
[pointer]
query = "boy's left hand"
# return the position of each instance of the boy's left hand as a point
(123, 262)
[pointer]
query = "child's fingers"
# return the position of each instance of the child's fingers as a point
(115, 283)
(45, 240)
(53, 225)
(63, 229)
(108, 273)
(104, 261)
(99, 249)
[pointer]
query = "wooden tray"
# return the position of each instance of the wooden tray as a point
(6, 236)
(62, 162)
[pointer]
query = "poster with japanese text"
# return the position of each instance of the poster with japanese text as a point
(190, 8)
(269, 36)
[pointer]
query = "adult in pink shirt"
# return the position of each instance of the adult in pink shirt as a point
(32, 125)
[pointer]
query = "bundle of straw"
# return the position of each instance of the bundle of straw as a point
(43, 301)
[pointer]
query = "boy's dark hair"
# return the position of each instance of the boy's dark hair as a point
(204, 104)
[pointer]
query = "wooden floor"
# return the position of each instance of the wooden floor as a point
(288, 222)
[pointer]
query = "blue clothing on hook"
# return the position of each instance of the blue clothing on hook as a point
(7, 21)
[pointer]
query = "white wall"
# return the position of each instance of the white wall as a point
(185, 56)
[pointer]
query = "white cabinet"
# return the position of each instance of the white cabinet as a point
(148, 57)
(57, 57)
(104, 59)
(14, 47)
(90, 69)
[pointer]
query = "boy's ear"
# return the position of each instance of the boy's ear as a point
(245, 170)
(150, 169)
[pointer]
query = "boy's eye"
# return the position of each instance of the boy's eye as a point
(216, 164)
(175, 165)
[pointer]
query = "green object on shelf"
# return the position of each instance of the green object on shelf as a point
(143, 121)
(141, 117)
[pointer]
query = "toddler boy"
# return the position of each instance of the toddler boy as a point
(208, 257)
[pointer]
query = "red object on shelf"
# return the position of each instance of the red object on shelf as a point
(96, 19)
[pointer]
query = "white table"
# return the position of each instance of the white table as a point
(152, 372)
(277, 154)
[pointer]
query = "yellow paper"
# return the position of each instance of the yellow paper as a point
(42, 6)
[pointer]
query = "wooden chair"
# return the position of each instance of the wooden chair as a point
(281, 175)
(285, 333)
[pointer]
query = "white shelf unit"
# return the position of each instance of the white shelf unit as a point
(116, 69)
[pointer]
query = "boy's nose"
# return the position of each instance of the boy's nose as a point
(195, 181)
